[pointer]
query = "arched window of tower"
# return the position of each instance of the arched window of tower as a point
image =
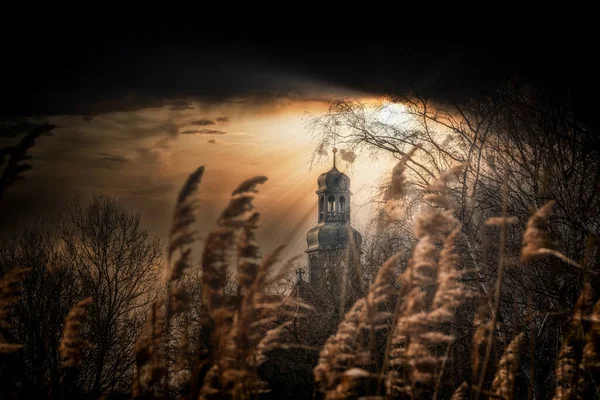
(331, 202)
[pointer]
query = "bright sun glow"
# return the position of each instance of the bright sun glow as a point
(391, 112)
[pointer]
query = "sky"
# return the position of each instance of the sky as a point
(137, 111)
(143, 157)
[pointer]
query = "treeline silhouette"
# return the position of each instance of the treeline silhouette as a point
(96, 251)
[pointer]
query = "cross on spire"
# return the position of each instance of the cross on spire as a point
(299, 273)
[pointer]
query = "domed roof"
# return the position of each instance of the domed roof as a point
(330, 236)
(333, 180)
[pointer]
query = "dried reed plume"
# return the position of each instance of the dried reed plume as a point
(181, 234)
(239, 332)
(242, 333)
(72, 344)
(439, 183)
(568, 373)
(483, 329)
(153, 342)
(536, 240)
(150, 367)
(397, 186)
(248, 251)
(461, 392)
(418, 331)
(438, 199)
(242, 348)
(181, 237)
(450, 291)
(215, 258)
(414, 351)
(9, 295)
(346, 350)
(433, 223)
(270, 341)
(504, 382)
(591, 351)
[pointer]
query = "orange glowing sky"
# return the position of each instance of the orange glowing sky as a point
(144, 156)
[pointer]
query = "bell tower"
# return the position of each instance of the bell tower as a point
(333, 244)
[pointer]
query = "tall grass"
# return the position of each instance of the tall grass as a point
(71, 344)
(412, 307)
(392, 343)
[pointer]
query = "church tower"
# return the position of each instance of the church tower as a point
(333, 244)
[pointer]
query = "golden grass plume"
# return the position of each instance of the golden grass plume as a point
(72, 344)
(10, 286)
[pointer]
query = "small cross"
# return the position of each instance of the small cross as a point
(300, 272)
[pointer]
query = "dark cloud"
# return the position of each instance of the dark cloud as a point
(149, 156)
(13, 128)
(223, 119)
(180, 105)
(113, 158)
(158, 190)
(203, 122)
(100, 79)
(88, 119)
(212, 141)
(205, 131)
(150, 70)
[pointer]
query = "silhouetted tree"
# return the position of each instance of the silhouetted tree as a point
(47, 293)
(118, 264)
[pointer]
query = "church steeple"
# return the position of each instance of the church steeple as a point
(333, 234)
(334, 195)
